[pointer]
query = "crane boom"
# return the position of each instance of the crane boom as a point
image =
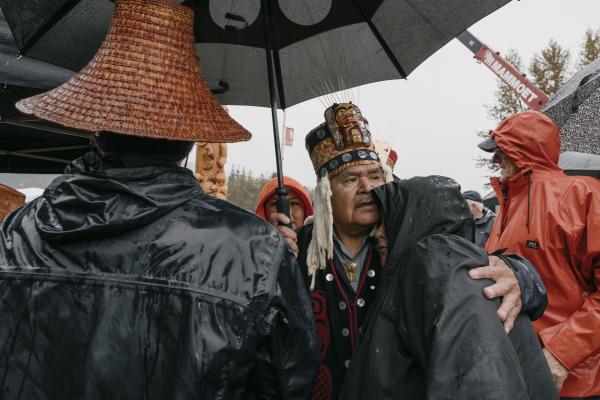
(529, 93)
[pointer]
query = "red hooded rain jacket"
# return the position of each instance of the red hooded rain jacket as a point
(554, 221)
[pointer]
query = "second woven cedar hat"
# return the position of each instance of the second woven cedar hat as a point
(10, 199)
(144, 81)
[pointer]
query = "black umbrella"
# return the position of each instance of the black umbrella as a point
(24, 71)
(575, 108)
(313, 47)
(28, 145)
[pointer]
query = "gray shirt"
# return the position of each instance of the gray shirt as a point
(344, 255)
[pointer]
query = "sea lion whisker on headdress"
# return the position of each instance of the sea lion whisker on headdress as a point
(330, 83)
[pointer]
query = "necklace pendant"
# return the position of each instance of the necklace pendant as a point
(350, 268)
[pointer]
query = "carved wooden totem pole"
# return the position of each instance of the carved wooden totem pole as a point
(210, 168)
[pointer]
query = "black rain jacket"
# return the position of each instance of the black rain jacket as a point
(431, 334)
(129, 283)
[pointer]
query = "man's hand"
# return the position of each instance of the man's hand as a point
(559, 373)
(505, 286)
(289, 235)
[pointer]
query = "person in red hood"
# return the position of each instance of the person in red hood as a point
(553, 220)
(300, 205)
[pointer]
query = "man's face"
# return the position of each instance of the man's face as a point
(297, 212)
(354, 211)
(475, 208)
(508, 168)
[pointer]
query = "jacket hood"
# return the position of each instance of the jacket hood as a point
(487, 215)
(290, 184)
(530, 139)
(418, 207)
(98, 197)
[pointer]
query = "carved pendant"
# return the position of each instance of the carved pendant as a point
(350, 268)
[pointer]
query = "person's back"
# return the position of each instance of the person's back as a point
(123, 281)
(129, 283)
(431, 334)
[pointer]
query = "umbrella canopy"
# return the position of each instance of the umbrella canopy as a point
(24, 71)
(26, 144)
(313, 47)
(319, 46)
(576, 110)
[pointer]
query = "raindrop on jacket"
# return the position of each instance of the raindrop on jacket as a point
(129, 283)
(430, 333)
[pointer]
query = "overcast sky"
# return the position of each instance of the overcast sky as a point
(432, 117)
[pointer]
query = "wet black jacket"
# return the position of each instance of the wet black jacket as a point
(430, 333)
(129, 283)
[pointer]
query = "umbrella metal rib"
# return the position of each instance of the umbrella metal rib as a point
(282, 202)
(384, 45)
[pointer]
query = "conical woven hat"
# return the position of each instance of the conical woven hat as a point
(9, 200)
(144, 81)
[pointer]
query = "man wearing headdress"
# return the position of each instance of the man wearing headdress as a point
(338, 251)
(124, 280)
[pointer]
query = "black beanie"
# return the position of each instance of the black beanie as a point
(136, 151)
(473, 196)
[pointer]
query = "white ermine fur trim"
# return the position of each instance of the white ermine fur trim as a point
(320, 248)
(388, 174)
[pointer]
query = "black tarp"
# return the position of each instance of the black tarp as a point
(31, 146)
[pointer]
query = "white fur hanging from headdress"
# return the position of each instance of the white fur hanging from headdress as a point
(388, 174)
(320, 248)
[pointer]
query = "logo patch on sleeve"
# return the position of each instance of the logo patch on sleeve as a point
(532, 244)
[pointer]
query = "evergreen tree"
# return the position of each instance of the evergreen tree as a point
(590, 48)
(506, 100)
(244, 188)
(549, 68)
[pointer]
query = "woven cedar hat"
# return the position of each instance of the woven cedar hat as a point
(144, 81)
(342, 141)
(10, 199)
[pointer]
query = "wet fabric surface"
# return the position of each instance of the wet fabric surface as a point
(430, 333)
(553, 220)
(131, 284)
